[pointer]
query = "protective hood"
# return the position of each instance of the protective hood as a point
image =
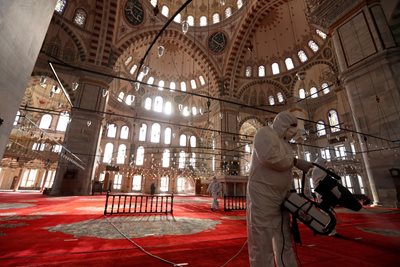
(282, 123)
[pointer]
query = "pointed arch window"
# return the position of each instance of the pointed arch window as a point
(248, 71)
(193, 84)
(45, 121)
(302, 56)
(142, 132)
(182, 140)
(313, 92)
(289, 63)
(124, 132)
(62, 122)
(193, 141)
(153, 2)
(165, 11)
(333, 120)
(325, 88)
(203, 21)
(202, 81)
(261, 71)
(271, 100)
(139, 156)
(302, 93)
(155, 133)
(121, 154)
(190, 20)
(228, 12)
(275, 68)
(182, 159)
(147, 103)
(168, 108)
(108, 153)
(166, 158)
(314, 47)
(321, 128)
(112, 130)
(161, 85)
(172, 86)
(167, 136)
(158, 104)
(150, 80)
(60, 6)
(178, 18)
(183, 86)
(216, 18)
(280, 97)
(80, 17)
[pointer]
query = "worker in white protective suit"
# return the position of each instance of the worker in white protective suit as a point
(270, 179)
(215, 189)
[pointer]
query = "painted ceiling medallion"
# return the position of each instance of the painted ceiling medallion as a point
(134, 12)
(217, 42)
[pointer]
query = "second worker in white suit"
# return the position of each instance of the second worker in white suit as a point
(270, 179)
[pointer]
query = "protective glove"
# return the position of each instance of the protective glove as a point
(303, 165)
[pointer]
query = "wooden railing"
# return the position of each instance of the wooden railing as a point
(125, 203)
(234, 203)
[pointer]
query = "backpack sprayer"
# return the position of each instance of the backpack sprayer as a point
(319, 217)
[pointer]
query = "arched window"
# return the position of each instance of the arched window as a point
(153, 2)
(202, 81)
(164, 183)
(121, 97)
(194, 111)
(302, 93)
(142, 132)
(193, 84)
(182, 159)
(155, 133)
(302, 56)
(182, 140)
(45, 122)
(289, 63)
(158, 104)
(16, 121)
(321, 34)
(161, 85)
(108, 153)
(186, 111)
(128, 60)
(280, 97)
(180, 184)
(139, 156)
(239, 4)
(178, 18)
(112, 130)
(314, 47)
(228, 12)
(203, 21)
(172, 86)
(129, 99)
(333, 120)
(193, 141)
(133, 69)
(313, 92)
(150, 80)
(190, 20)
(60, 6)
(325, 88)
(124, 132)
(62, 122)
(165, 158)
(271, 100)
(121, 154)
(167, 136)
(193, 160)
(183, 86)
(165, 11)
(168, 108)
(261, 71)
(321, 128)
(248, 71)
(80, 17)
(137, 182)
(147, 103)
(215, 18)
(275, 68)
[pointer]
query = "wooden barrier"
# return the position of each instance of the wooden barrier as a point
(125, 203)
(234, 203)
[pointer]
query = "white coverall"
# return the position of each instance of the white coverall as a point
(214, 188)
(270, 180)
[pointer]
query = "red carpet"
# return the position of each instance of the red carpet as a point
(37, 230)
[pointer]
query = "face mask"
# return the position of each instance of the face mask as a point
(290, 133)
